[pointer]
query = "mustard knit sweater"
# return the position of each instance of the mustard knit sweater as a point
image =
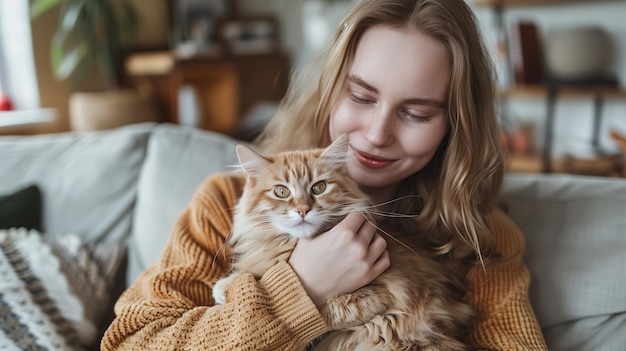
(170, 305)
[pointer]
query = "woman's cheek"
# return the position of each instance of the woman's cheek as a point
(341, 120)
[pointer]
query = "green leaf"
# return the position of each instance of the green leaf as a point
(56, 49)
(71, 15)
(41, 6)
(128, 20)
(88, 36)
(106, 64)
(69, 60)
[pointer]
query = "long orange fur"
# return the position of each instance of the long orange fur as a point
(416, 304)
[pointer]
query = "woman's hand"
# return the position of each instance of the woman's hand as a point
(340, 260)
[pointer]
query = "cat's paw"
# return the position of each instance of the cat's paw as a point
(219, 295)
(219, 290)
(351, 310)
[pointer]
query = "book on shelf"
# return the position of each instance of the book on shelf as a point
(526, 53)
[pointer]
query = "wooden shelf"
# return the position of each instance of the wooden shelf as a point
(520, 3)
(523, 163)
(541, 91)
(534, 164)
(529, 164)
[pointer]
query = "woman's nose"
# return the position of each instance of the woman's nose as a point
(379, 129)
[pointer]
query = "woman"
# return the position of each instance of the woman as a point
(410, 82)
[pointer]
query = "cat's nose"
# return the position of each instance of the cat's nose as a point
(302, 210)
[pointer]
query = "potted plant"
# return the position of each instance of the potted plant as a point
(87, 41)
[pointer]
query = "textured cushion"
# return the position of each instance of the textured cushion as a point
(575, 229)
(88, 180)
(54, 292)
(178, 160)
(21, 209)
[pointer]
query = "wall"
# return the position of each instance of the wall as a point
(295, 17)
(153, 22)
(52, 93)
(289, 15)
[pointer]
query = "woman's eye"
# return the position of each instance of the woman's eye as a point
(281, 191)
(360, 101)
(413, 117)
(318, 188)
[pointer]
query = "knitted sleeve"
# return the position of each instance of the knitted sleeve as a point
(499, 293)
(170, 305)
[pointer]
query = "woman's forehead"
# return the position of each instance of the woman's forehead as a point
(402, 59)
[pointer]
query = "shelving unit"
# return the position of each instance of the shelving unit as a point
(511, 3)
(541, 91)
(598, 93)
(551, 92)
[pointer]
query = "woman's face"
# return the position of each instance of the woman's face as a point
(393, 106)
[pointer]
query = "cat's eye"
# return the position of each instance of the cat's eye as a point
(318, 188)
(281, 191)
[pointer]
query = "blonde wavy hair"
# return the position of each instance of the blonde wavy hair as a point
(459, 186)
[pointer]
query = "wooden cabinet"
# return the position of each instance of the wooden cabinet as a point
(225, 86)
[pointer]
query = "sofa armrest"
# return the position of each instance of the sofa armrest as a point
(575, 230)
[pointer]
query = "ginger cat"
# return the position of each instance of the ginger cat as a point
(416, 304)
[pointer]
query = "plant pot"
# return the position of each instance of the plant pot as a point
(110, 109)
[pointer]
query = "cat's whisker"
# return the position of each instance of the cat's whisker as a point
(236, 167)
(372, 209)
(390, 214)
(390, 236)
(222, 249)
(397, 199)
(262, 222)
(368, 210)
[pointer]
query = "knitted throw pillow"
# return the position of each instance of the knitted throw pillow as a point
(54, 292)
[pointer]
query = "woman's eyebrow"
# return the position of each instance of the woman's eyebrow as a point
(356, 80)
(415, 101)
(426, 102)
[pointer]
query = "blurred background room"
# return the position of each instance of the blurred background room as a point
(223, 65)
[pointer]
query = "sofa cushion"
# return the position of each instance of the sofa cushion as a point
(55, 291)
(88, 180)
(21, 209)
(575, 229)
(178, 160)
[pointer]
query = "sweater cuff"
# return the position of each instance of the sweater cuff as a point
(292, 304)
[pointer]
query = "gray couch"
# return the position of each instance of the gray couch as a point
(127, 186)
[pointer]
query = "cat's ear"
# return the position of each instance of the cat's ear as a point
(336, 152)
(251, 162)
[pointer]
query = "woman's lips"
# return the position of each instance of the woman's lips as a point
(371, 161)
